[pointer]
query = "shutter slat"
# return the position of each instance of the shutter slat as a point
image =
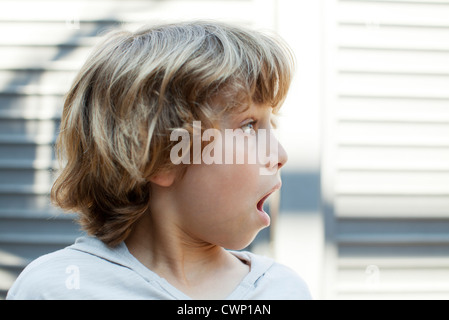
(389, 141)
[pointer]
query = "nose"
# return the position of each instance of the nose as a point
(277, 156)
(277, 153)
(282, 155)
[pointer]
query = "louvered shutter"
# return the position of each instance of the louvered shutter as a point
(386, 152)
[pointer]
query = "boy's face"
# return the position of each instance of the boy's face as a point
(222, 203)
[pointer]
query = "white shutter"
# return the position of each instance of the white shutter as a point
(43, 43)
(386, 154)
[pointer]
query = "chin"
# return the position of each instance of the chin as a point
(241, 243)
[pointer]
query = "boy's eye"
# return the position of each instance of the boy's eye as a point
(249, 127)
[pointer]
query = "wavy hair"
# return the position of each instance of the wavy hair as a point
(133, 90)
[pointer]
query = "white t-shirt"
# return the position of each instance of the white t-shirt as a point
(89, 269)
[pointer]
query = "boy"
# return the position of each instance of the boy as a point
(159, 228)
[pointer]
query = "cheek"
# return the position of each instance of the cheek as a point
(224, 187)
(239, 148)
(218, 198)
(217, 202)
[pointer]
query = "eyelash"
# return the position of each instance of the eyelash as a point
(251, 123)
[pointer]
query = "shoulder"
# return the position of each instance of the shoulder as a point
(286, 281)
(44, 275)
(275, 281)
(61, 274)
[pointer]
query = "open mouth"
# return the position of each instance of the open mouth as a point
(262, 214)
(262, 201)
(265, 197)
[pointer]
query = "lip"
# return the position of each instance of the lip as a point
(262, 200)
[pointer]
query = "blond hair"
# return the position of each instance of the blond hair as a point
(135, 88)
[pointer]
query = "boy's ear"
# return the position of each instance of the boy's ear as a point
(164, 178)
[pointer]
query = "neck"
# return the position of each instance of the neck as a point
(173, 254)
(160, 241)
